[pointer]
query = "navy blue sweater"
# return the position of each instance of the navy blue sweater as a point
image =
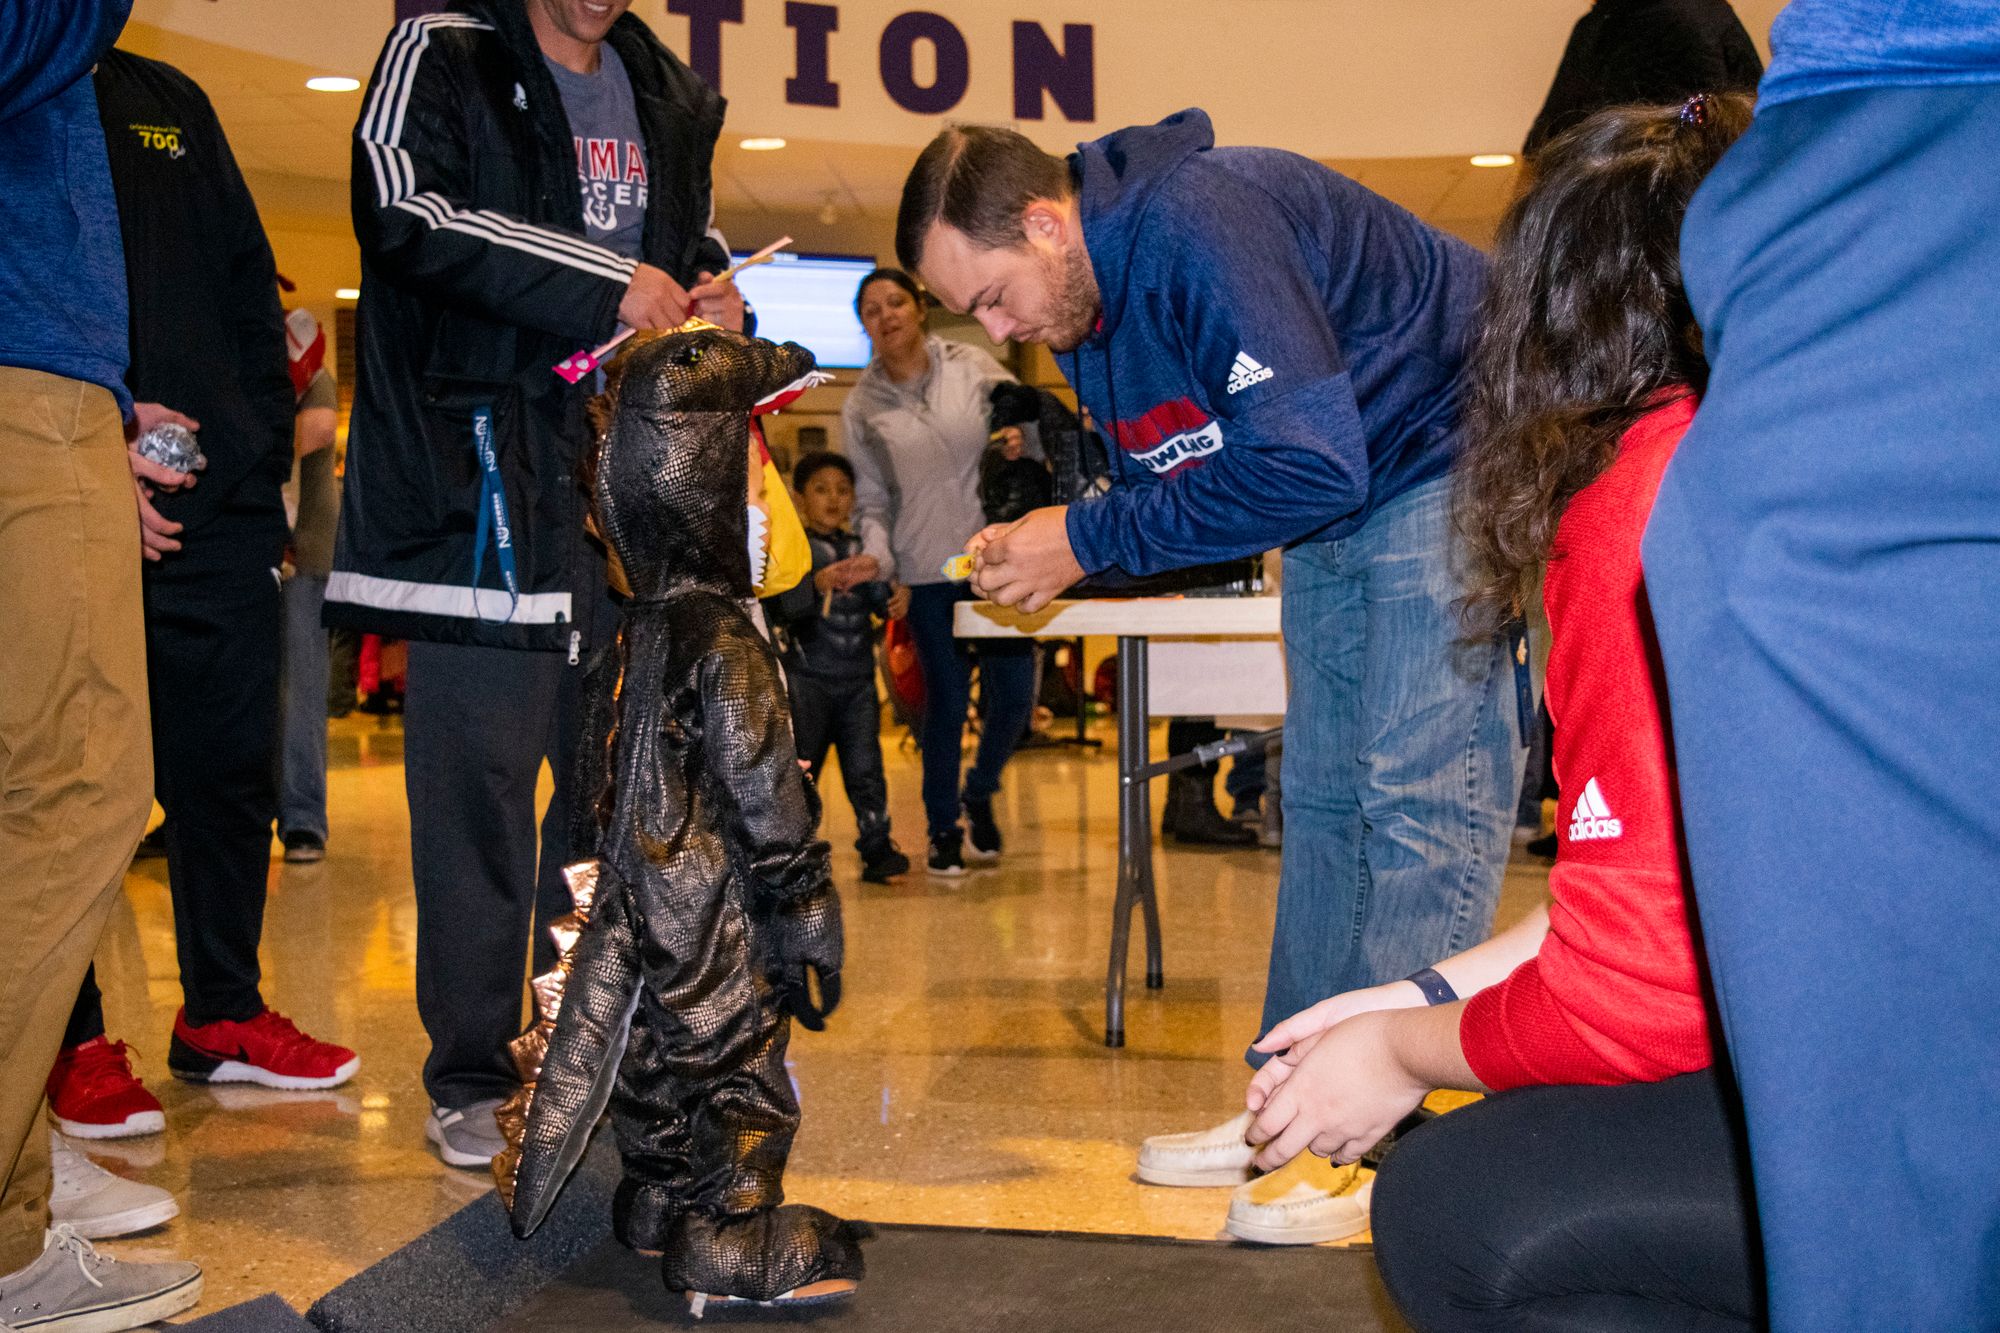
(62, 269)
(1279, 353)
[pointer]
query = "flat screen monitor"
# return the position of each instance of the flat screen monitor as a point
(809, 299)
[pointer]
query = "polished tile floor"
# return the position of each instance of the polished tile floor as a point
(963, 1082)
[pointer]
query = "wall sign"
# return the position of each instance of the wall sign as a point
(1046, 69)
(923, 59)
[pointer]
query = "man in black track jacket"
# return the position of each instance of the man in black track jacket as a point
(529, 175)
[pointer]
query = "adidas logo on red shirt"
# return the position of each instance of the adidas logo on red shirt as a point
(1592, 819)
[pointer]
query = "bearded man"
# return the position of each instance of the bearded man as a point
(1275, 352)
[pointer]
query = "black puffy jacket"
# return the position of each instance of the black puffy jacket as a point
(829, 636)
(477, 278)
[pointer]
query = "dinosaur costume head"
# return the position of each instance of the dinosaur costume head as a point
(673, 467)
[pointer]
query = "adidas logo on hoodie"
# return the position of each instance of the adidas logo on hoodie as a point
(1245, 371)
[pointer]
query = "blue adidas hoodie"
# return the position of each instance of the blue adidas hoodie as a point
(1279, 352)
(62, 266)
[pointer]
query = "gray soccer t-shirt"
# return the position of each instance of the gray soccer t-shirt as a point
(610, 150)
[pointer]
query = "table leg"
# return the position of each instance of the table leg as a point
(1135, 839)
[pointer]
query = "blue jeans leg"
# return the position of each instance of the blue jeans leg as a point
(1823, 563)
(1006, 697)
(1402, 761)
(302, 768)
(947, 667)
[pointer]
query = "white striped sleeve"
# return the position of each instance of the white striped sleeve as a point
(380, 131)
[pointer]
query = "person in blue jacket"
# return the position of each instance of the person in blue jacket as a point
(1275, 354)
(1823, 562)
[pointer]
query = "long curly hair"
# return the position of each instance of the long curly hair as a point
(1585, 324)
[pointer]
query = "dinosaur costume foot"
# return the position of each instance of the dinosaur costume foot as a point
(788, 1254)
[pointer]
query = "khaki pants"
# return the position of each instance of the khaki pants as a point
(76, 769)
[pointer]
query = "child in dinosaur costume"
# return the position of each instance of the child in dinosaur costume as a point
(706, 910)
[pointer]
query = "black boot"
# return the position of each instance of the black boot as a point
(1191, 816)
(881, 859)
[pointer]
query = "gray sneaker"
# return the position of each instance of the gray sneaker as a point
(72, 1288)
(98, 1204)
(468, 1136)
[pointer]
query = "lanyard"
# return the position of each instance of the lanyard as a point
(492, 517)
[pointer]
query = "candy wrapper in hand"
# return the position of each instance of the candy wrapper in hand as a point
(171, 446)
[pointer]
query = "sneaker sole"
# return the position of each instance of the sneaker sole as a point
(975, 854)
(236, 1071)
(1198, 1177)
(305, 858)
(945, 872)
(132, 1220)
(1268, 1234)
(115, 1318)
(137, 1125)
(451, 1156)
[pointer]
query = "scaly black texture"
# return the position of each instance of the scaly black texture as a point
(716, 910)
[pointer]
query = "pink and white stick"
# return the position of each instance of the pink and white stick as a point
(578, 364)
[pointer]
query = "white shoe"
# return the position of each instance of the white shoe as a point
(1307, 1201)
(1216, 1156)
(72, 1288)
(468, 1136)
(97, 1204)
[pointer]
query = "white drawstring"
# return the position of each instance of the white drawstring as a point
(63, 1236)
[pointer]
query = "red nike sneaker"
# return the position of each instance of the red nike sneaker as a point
(95, 1095)
(268, 1049)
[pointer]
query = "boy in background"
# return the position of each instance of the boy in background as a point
(829, 654)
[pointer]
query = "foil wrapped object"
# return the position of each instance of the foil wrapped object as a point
(170, 446)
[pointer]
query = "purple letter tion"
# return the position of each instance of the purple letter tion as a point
(705, 19)
(954, 64)
(813, 24)
(1068, 75)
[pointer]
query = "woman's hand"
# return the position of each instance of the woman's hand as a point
(899, 602)
(1346, 1094)
(1010, 442)
(1291, 1040)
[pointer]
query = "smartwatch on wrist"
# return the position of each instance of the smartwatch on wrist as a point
(1435, 988)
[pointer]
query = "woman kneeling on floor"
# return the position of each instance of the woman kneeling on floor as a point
(1603, 1187)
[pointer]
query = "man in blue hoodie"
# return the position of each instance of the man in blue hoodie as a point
(1275, 353)
(75, 762)
(1824, 567)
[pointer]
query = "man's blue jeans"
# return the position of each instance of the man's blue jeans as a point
(1402, 760)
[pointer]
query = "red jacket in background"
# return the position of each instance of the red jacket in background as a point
(1614, 995)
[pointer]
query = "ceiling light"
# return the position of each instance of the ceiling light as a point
(761, 145)
(1492, 159)
(333, 83)
(347, 293)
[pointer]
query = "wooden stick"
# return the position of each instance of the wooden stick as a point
(763, 256)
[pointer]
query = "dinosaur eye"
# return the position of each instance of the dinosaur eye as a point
(688, 356)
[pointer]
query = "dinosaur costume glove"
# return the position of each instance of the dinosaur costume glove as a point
(805, 951)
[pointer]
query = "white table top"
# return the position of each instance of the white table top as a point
(1148, 617)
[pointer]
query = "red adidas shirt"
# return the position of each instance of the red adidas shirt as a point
(1614, 996)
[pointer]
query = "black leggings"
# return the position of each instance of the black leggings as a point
(1575, 1210)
